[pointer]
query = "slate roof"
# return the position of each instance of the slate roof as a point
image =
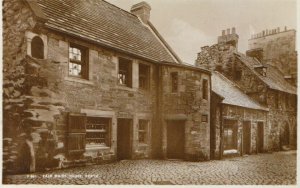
(274, 78)
(231, 93)
(107, 25)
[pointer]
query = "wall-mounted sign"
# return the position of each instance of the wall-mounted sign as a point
(204, 118)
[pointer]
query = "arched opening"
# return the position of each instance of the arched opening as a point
(37, 48)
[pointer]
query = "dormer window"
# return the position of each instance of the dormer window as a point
(264, 71)
(261, 69)
(238, 75)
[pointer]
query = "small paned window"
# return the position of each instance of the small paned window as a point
(143, 131)
(125, 72)
(238, 75)
(174, 81)
(37, 48)
(144, 79)
(204, 118)
(204, 89)
(97, 131)
(78, 61)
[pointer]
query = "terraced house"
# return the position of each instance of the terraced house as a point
(92, 83)
(264, 84)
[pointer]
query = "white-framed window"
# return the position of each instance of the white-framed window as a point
(78, 64)
(125, 72)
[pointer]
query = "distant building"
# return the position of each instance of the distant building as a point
(277, 48)
(263, 82)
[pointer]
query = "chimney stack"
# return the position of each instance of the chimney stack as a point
(228, 31)
(223, 32)
(233, 30)
(141, 10)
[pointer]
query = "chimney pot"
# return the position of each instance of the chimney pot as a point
(263, 33)
(285, 28)
(228, 31)
(223, 32)
(278, 29)
(233, 30)
(141, 10)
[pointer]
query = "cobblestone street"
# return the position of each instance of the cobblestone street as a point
(266, 169)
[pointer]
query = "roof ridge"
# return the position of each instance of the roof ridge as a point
(168, 47)
(238, 89)
(234, 84)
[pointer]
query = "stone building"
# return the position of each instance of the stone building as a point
(277, 48)
(102, 84)
(238, 123)
(262, 82)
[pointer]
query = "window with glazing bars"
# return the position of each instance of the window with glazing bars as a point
(78, 61)
(97, 131)
(143, 130)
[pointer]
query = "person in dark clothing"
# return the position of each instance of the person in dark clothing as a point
(46, 152)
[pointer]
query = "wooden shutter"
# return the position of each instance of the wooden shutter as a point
(76, 133)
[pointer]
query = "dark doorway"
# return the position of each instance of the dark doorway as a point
(285, 135)
(260, 137)
(246, 137)
(124, 135)
(175, 139)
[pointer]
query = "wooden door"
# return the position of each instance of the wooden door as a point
(175, 139)
(246, 137)
(260, 137)
(124, 145)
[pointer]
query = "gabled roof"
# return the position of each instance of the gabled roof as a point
(274, 78)
(106, 25)
(232, 94)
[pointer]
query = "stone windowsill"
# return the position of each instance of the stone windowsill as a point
(143, 145)
(121, 87)
(231, 151)
(79, 80)
(96, 147)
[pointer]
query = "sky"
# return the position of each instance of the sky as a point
(187, 25)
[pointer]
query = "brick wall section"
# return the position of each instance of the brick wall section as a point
(188, 101)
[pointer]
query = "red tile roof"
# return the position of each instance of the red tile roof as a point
(107, 25)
